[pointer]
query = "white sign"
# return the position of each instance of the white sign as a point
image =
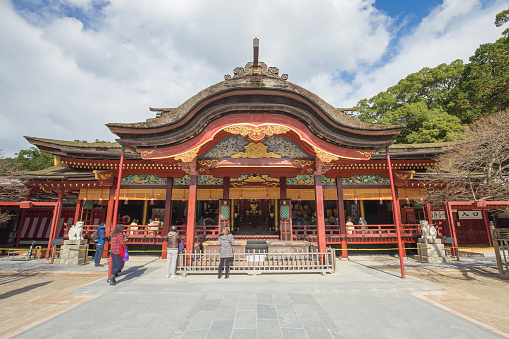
(438, 215)
(469, 215)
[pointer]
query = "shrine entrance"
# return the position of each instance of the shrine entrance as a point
(255, 217)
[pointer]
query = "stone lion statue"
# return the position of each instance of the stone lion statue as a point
(428, 232)
(76, 231)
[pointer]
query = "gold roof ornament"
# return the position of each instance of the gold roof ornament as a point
(256, 67)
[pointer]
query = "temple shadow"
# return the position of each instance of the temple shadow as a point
(385, 271)
(23, 289)
(134, 271)
(131, 273)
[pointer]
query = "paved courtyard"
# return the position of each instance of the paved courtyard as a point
(355, 302)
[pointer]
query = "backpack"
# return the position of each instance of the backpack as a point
(95, 236)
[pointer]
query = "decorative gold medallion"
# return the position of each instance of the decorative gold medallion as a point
(256, 133)
(325, 157)
(188, 156)
(256, 151)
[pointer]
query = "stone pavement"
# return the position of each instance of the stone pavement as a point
(355, 302)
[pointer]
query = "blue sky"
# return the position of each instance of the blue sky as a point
(70, 66)
(413, 10)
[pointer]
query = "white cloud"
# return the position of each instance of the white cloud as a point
(64, 78)
(452, 31)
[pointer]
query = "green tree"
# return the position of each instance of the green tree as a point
(431, 86)
(423, 125)
(484, 88)
(33, 160)
(501, 19)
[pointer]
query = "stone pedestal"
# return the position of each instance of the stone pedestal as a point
(73, 252)
(431, 252)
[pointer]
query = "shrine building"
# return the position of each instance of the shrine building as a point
(254, 152)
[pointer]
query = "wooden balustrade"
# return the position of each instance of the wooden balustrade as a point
(147, 234)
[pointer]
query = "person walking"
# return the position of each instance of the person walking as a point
(99, 247)
(118, 246)
(226, 253)
(172, 251)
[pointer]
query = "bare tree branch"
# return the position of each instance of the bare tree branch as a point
(12, 184)
(477, 169)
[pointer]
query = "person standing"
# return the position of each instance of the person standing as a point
(226, 253)
(363, 222)
(349, 225)
(99, 247)
(118, 246)
(172, 251)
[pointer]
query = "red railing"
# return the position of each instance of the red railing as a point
(148, 234)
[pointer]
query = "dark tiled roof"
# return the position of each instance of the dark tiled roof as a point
(78, 144)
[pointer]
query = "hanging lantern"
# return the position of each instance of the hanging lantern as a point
(355, 199)
(381, 201)
(408, 201)
(126, 201)
(210, 195)
(422, 200)
(100, 201)
(152, 201)
(299, 197)
(84, 200)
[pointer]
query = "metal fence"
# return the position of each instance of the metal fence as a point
(500, 238)
(258, 262)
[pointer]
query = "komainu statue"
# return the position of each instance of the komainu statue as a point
(428, 232)
(76, 231)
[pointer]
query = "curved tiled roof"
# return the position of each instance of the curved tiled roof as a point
(260, 83)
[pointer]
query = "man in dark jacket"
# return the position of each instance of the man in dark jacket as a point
(172, 251)
(100, 245)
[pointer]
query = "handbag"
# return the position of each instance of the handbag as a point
(182, 245)
(126, 255)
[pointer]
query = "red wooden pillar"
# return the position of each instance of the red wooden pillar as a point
(77, 214)
(396, 194)
(427, 208)
(167, 215)
(109, 217)
(226, 188)
(282, 188)
(452, 229)
(397, 214)
(320, 213)
(54, 224)
(191, 212)
(486, 222)
(117, 195)
(341, 216)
